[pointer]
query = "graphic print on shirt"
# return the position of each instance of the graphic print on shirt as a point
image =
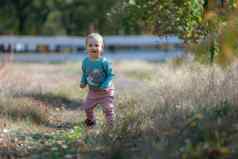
(95, 77)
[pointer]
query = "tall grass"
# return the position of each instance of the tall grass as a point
(23, 109)
(180, 110)
(177, 111)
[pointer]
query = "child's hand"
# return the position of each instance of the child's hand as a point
(82, 85)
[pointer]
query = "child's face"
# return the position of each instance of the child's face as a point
(94, 48)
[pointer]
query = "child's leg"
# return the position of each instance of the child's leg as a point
(108, 109)
(90, 117)
(109, 113)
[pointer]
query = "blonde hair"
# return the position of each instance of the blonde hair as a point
(96, 36)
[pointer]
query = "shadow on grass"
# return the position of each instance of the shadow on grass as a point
(52, 100)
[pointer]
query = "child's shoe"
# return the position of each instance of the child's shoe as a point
(90, 123)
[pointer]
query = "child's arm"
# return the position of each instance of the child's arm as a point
(83, 85)
(83, 82)
(108, 81)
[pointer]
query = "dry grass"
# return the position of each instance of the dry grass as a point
(33, 91)
(162, 110)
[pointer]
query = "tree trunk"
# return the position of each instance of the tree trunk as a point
(21, 6)
(21, 24)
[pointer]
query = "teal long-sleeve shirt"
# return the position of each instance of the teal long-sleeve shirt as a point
(97, 73)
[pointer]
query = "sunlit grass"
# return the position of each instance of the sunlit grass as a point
(23, 109)
(162, 110)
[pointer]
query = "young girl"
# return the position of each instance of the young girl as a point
(97, 75)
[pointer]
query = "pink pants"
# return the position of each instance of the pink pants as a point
(103, 98)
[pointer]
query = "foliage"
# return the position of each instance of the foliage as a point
(50, 17)
(23, 16)
(166, 17)
(208, 25)
(220, 43)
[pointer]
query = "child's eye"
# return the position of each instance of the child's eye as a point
(96, 45)
(90, 45)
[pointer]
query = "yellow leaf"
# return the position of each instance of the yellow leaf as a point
(225, 151)
(193, 124)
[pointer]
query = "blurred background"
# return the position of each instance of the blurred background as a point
(132, 28)
(54, 30)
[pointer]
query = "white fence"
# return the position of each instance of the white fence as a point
(57, 43)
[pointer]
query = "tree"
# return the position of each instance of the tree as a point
(196, 21)
(54, 17)
(23, 16)
(219, 24)
(167, 17)
(77, 16)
